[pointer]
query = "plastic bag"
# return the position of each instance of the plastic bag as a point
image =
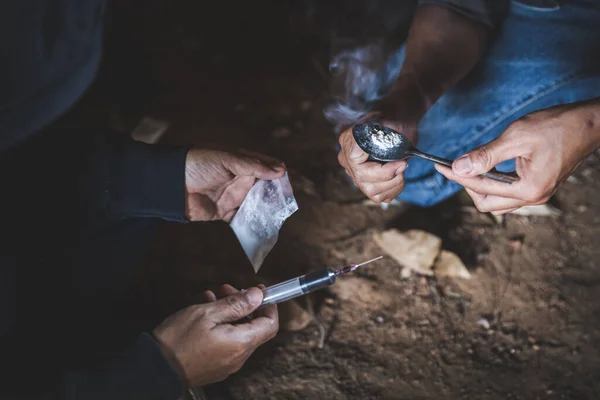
(260, 217)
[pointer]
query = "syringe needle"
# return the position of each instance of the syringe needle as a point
(367, 262)
(352, 267)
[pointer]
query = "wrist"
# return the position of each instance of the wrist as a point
(171, 359)
(587, 115)
(406, 101)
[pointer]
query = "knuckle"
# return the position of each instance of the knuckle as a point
(341, 139)
(368, 188)
(378, 198)
(482, 155)
(341, 159)
(533, 195)
(389, 175)
(359, 176)
(236, 305)
(519, 125)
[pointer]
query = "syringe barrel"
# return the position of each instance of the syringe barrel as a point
(298, 286)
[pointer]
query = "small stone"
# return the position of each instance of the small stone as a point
(405, 273)
(587, 172)
(281, 133)
(379, 319)
(484, 323)
(572, 179)
(535, 347)
(329, 300)
(573, 233)
(582, 208)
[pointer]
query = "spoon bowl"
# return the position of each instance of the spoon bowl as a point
(384, 144)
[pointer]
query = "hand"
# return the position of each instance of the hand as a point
(203, 342)
(217, 182)
(404, 106)
(548, 146)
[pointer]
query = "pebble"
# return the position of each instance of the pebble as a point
(484, 323)
(379, 319)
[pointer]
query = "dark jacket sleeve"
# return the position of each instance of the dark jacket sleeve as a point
(122, 178)
(142, 373)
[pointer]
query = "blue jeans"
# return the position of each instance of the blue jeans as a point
(538, 59)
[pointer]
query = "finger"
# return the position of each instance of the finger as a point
(267, 159)
(391, 194)
(352, 151)
(208, 296)
(269, 311)
(376, 172)
(252, 166)
(235, 307)
(229, 216)
(227, 290)
(260, 329)
(380, 191)
(489, 155)
(485, 186)
(488, 203)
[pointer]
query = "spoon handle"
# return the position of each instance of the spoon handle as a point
(492, 174)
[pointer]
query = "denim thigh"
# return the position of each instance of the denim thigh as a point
(538, 59)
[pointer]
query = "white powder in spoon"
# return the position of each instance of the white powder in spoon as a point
(385, 140)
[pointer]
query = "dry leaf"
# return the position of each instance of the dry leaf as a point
(450, 265)
(414, 249)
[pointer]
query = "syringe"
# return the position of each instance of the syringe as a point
(304, 284)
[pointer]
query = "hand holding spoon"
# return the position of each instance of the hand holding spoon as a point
(385, 144)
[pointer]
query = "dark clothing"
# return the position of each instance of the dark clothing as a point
(79, 208)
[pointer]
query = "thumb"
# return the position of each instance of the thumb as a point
(484, 158)
(236, 306)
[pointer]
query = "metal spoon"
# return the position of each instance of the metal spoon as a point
(384, 144)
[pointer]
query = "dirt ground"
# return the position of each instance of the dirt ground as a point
(375, 335)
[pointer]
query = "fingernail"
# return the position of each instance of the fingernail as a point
(254, 296)
(401, 169)
(356, 151)
(463, 165)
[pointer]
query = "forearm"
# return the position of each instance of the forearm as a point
(442, 47)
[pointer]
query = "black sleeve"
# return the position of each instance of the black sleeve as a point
(142, 373)
(123, 178)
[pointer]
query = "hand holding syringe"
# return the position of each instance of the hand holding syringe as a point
(305, 284)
